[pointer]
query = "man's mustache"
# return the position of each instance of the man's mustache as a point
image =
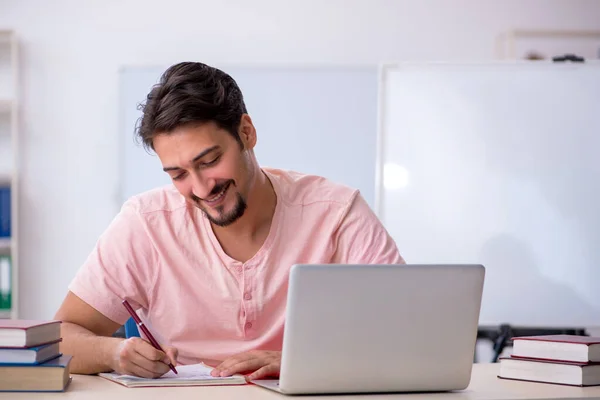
(215, 190)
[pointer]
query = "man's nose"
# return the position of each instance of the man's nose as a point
(202, 187)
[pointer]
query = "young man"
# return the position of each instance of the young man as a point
(206, 259)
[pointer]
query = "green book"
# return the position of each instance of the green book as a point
(5, 283)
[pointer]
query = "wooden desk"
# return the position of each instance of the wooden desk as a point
(484, 385)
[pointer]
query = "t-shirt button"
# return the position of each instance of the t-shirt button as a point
(247, 296)
(248, 325)
(238, 269)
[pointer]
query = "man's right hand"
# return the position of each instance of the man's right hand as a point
(88, 336)
(136, 356)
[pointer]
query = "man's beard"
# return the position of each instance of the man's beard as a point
(223, 219)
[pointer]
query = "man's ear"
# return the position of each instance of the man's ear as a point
(247, 132)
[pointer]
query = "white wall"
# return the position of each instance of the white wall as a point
(72, 50)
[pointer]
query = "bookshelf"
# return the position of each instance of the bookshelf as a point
(9, 175)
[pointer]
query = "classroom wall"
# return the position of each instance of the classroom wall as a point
(72, 50)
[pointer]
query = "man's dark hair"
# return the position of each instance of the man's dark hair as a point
(189, 93)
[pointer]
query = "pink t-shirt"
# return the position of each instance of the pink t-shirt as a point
(163, 257)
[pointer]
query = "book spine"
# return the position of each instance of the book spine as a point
(5, 283)
(5, 219)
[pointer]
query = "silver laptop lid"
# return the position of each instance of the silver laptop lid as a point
(379, 328)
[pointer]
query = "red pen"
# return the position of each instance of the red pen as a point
(141, 325)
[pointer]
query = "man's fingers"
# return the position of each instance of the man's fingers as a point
(156, 367)
(143, 372)
(159, 360)
(135, 356)
(147, 350)
(267, 362)
(221, 367)
(264, 372)
(172, 354)
(134, 369)
(257, 364)
(242, 366)
(145, 356)
(228, 363)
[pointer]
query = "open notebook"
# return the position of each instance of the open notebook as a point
(187, 375)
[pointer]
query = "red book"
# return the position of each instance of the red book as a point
(28, 333)
(558, 347)
(544, 371)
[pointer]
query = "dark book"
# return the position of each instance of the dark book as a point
(28, 333)
(51, 376)
(5, 212)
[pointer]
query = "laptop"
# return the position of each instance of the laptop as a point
(379, 328)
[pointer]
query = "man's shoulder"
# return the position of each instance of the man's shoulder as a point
(163, 199)
(301, 189)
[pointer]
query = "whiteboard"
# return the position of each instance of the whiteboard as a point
(316, 120)
(499, 164)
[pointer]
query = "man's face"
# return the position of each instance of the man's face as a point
(209, 168)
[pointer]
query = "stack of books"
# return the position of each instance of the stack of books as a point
(559, 359)
(30, 359)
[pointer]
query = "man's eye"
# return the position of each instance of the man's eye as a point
(178, 177)
(212, 162)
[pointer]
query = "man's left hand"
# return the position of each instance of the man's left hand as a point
(257, 363)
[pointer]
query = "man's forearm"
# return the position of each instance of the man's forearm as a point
(91, 353)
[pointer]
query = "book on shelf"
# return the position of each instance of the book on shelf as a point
(51, 376)
(17, 333)
(30, 355)
(5, 212)
(558, 347)
(5, 283)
